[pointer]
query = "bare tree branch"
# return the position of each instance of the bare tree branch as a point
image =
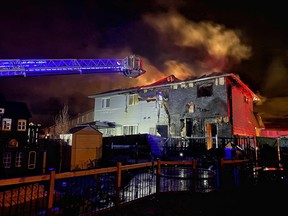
(62, 121)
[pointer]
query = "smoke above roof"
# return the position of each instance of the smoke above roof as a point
(194, 48)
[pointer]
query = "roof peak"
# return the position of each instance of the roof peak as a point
(168, 79)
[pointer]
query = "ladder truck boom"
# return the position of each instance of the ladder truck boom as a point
(131, 67)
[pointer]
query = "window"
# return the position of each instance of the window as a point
(221, 81)
(21, 125)
(108, 132)
(205, 90)
(133, 99)
(105, 103)
(32, 160)
(33, 135)
(191, 107)
(152, 130)
(13, 143)
(129, 130)
(7, 157)
(6, 124)
(18, 159)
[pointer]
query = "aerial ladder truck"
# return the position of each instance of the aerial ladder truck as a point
(131, 67)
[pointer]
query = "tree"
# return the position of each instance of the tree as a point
(62, 127)
(62, 121)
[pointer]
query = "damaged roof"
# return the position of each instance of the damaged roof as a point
(170, 80)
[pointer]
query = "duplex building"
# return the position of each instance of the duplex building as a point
(217, 104)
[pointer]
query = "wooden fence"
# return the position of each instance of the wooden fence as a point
(97, 190)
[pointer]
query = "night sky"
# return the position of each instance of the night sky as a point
(184, 38)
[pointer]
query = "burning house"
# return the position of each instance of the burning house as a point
(213, 105)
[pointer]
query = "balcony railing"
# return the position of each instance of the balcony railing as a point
(97, 190)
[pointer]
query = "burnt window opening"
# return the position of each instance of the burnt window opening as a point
(189, 127)
(190, 107)
(205, 90)
(162, 130)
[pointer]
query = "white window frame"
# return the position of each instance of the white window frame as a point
(130, 129)
(22, 125)
(32, 161)
(105, 103)
(133, 99)
(152, 130)
(106, 132)
(18, 159)
(6, 124)
(7, 159)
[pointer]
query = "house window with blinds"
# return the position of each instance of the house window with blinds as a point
(130, 129)
(133, 99)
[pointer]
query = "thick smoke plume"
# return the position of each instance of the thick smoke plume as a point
(197, 48)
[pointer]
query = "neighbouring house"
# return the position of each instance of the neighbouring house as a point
(18, 140)
(79, 119)
(14, 118)
(274, 132)
(216, 104)
(275, 126)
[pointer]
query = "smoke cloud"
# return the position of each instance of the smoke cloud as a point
(212, 47)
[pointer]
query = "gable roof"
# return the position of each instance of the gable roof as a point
(15, 109)
(170, 80)
(82, 127)
(166, 80)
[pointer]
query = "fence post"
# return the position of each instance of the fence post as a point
(51, 191)
(44, 162)
(136, 152)
(194, 176)
(118, 183)
(158, 176)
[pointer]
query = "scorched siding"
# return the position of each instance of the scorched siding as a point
(242, 111)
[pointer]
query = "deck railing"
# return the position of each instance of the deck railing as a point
(97, 190)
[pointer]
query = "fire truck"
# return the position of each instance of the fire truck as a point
(131, 67)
